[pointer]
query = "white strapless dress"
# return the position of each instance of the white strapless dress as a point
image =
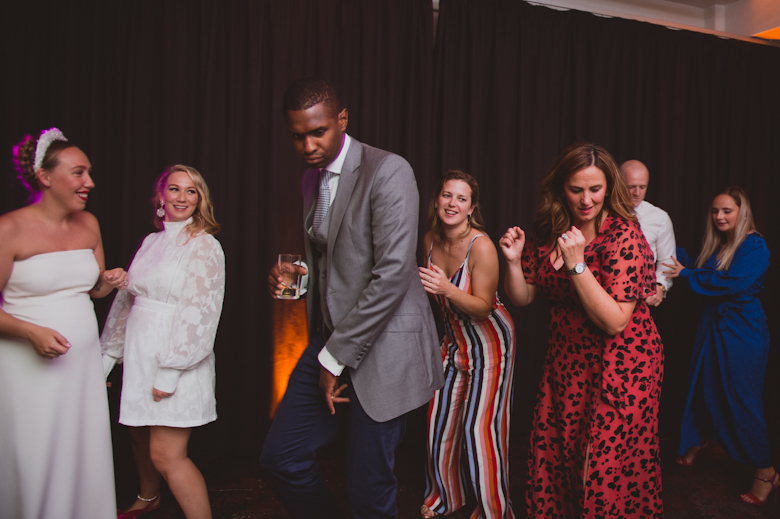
(55, 439)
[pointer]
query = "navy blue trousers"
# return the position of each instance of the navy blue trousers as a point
(303, 424)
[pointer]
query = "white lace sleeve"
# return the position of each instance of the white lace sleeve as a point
(112, 340)
(197, 314)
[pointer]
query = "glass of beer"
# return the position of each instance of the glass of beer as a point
(291, 276)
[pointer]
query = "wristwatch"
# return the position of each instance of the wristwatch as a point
(579, 268)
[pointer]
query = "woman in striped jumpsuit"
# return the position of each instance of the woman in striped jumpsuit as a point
(468, 419)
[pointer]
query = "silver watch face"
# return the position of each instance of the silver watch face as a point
(579, 268)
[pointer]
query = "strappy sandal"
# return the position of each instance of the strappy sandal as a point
(683, 460)
(138, 512)
(751, 499)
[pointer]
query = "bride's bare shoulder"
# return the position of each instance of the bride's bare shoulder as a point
(12, 222)
(14, 226)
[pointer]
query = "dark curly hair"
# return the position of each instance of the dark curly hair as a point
(309, 91)
(24, 159)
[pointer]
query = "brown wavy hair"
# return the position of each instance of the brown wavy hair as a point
(713, 238)
(203, 220)
(24, 157)
(553, 216)
(475, 220)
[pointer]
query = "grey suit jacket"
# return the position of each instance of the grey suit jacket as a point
(383, 326)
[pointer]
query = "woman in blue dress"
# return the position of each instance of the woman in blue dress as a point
(726, 376)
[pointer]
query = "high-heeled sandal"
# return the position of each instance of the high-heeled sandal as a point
(751, 499)
(682, 460)
(138, 512)
(427, 513)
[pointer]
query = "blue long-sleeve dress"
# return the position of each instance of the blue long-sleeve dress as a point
(726, 376)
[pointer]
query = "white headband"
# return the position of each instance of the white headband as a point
(44, 141)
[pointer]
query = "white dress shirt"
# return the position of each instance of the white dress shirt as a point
(658, 230)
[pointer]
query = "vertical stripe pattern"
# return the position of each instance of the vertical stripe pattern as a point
(468, 419)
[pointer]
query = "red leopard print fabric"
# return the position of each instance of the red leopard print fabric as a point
(594, 444)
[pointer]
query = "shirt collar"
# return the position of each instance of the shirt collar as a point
(336, 165)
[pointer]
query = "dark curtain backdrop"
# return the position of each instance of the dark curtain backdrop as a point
(142, 85)
(514, 84)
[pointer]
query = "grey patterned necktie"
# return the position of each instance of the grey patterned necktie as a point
(323, 200)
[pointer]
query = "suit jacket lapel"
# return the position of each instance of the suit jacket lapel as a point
(347, 180)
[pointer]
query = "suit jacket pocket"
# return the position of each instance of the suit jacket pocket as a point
(400, 353)
(404, 323)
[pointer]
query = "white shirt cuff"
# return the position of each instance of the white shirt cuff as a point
(108, 364)
(304, 279)
(166, 379)
(330, 362)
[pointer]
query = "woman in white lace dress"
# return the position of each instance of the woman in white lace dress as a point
(163, 328)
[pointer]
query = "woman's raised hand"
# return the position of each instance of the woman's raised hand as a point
(115, 278)
(512, 243)
(434, 280)
(572, 245)
(675, 269)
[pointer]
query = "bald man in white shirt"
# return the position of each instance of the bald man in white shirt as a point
(655, 223)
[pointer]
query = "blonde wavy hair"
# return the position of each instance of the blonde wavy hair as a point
(553, 216)
(713, 238)
(203, 220)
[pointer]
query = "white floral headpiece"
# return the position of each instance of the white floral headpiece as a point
(44, 141)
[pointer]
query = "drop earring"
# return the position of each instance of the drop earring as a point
(161, 211)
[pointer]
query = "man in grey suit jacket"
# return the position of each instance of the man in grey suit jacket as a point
(370, 322)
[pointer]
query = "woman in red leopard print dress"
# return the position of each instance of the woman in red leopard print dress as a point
(594, 444)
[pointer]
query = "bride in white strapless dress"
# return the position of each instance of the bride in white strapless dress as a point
(55, 439)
